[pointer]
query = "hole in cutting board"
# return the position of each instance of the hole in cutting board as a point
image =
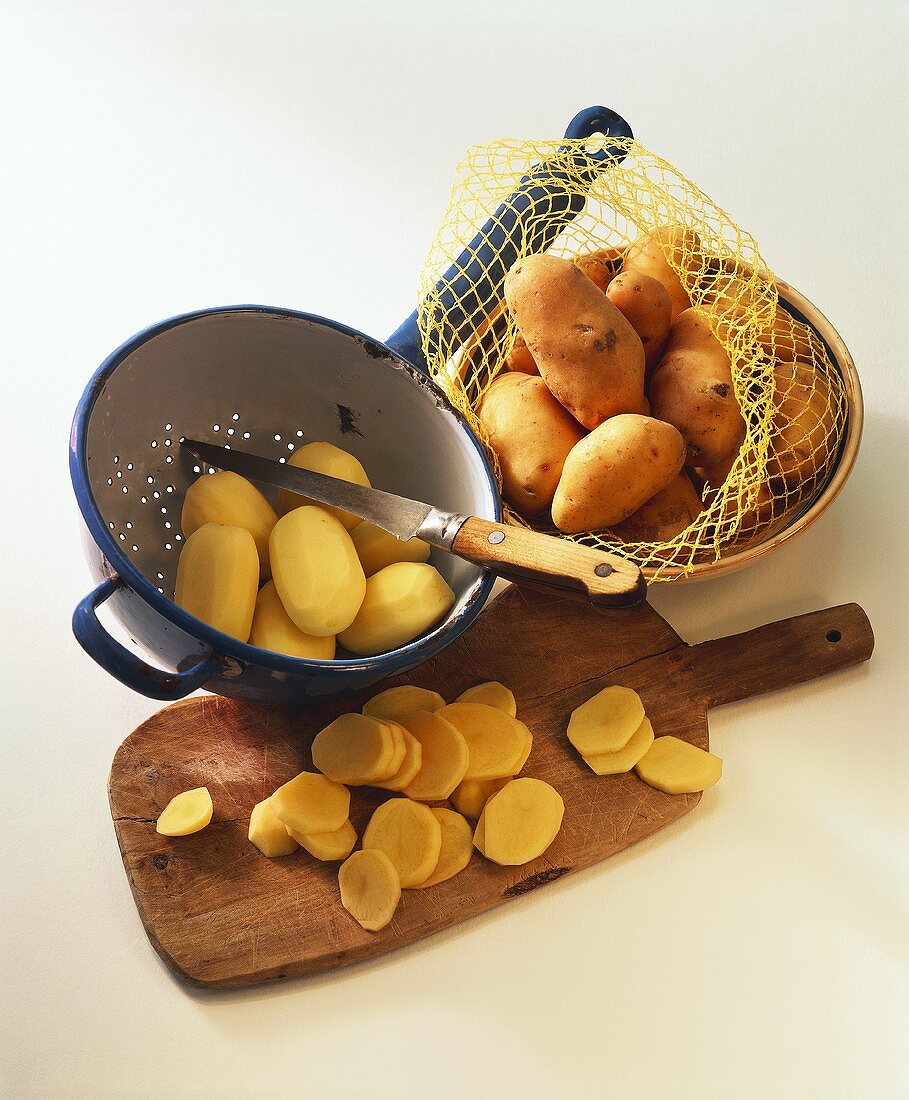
(834, 636)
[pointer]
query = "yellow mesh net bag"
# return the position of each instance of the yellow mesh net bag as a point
(791, 395)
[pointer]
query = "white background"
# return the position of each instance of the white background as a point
(167, 156)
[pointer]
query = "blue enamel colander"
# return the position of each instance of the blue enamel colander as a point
(269, 380)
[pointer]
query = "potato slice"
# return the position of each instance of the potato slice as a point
(186, 813)
(493, 694)
(497, 743)
(404, 699)
(444, 756)
(457, 846)
(357, 749)
(471, 795)
(328, 847)
(676, 767)
(521, 821)
(409, 834)
(410, 767)
(479, 836)
(625, 758)
(370, 888)
(311, 803)
(606, 721)
(268, 834)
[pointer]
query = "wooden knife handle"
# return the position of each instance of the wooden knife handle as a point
(520, 554)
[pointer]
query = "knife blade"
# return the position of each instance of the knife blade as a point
(608, 580)
(400, 516)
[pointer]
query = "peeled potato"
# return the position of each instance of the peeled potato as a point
(268, 834)
(370, 888)
(186, 813)
(218, 576)
(316, 571)
(377, 548)
(676, 767)
(225, 497)
(311, 803)
(471, 795)
(357, 750)
(328, 847)
(444, 756)
(606, 721)
(457, 846)
(493, 694)
(274, 629)
(324, 458)
(410, 765)
(497, 743)
(402, 601)
(404, 699)
(625, 758)
(521, 821)
(409, 834)
(479, 836)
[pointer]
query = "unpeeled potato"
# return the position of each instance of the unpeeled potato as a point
(667, 514)
(519, 358)
(600, 266)
(531, 433)
(647, 306)
(616, 469)
(588, 354)
(803, 423)
(662, 253)
(692, 389)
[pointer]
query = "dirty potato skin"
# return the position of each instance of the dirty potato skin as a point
(532, 435)
(519, 358)
(615, 470)
(646, 305)
(648, 254)
(588, 354)
(803, 423)
(692, 389)
(665, 515)
(601, 266)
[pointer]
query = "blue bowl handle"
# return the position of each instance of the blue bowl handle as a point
(125, 666)
(530, 220)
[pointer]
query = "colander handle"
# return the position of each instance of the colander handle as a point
(529, 221)
(125, 666)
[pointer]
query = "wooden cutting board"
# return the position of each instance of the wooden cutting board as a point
(220, 914)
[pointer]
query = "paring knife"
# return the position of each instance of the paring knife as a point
(513, 552)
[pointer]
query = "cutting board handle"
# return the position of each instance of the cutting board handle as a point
(781, 654)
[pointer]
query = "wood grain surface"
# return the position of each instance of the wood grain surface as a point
(222, 915)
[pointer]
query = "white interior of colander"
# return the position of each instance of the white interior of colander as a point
(268, 383)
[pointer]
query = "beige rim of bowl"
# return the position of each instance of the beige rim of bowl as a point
(848, 451)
